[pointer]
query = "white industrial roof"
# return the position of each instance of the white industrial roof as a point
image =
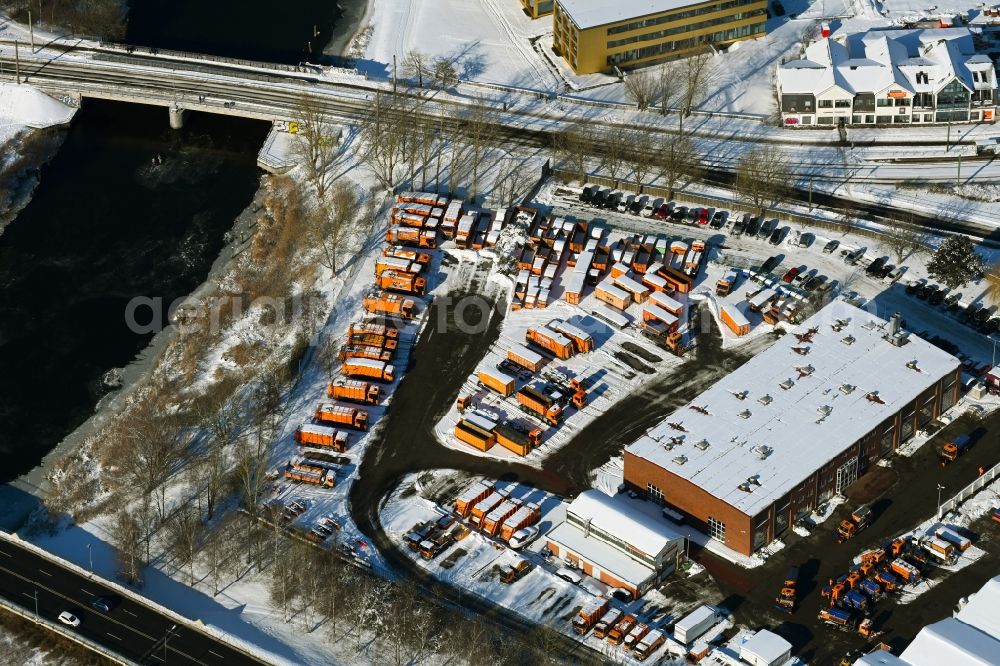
(590, 13)
(879, 658)
(953, 643)
(748, 430)
(606, 557)
(983, 609)
(642, 532)
(766, 646)
(694, 618)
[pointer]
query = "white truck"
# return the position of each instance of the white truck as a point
(694, 625)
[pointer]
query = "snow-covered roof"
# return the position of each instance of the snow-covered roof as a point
(877, 60)
(642, 532)
(591, 13)
(767, 646)
(954, 643)
(606, 557)
(983, 609)
(757, 433)
(879, 658)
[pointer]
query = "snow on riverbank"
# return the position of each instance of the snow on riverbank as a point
(24, 106)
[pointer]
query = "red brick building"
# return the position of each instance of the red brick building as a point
(794, 426)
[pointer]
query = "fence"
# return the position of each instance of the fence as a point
(712, 201)
(987, 477)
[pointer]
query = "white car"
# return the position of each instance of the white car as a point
(69, 619)
(522, 537)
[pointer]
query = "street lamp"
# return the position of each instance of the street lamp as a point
(166, 638)
(939, 489)
(36, 604)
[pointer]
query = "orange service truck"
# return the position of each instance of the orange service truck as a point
(353, 390)
(341, 415)
(523, 517)
(311, 434)
(372, 340)
(373, 326)
(412, 236)
(519, 442)
(497, 381)
(368, 368)
(406, 282)
(384, 303)
(550, 340)
(474, 494)
(532, 400)
(365, 351)
(401, 264)
(421, 258)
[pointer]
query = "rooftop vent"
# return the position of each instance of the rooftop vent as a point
(801, 351)
(847, 389)
(870, 325)
(745, 487)
(825, 410)
(912, 365)
(699, 409)
(763, 451)
(742, 395)
(848, 340)
(745, 414)
(765, 399)
(677, 426)
(872, 396)
(702, 445)
(754, 480)
(805, 370)
(680, 460)
(839, 325)
(896, 336)
(787, 384)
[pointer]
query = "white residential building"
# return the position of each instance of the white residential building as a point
(889, 77)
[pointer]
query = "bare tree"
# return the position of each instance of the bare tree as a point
(670, 87)
(697, 74)
(641, 156)
(479, 133)
(445, 74)
(417, 65)
(642, 89)
(316, 143)
(903, 239)
(383, 129)
(511, 183)
(184, 532)
(573, 146)
(614, 150)
(338, 219)
(761, 181)
(127, 540)
(675, 160)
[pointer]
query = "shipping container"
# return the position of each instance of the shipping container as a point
(497, 381)
(612, 295)
(692, 626)
(653, 312)
(525, 358)
(526, 515)
(472, 496)
(517, 441)
(573, 291)
(734, 319)
(639, 292)
(761, 300)
(551, 341)
(474, 436)
(494, 519)
(618, 320)
(484, 506)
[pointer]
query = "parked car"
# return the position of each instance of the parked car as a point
(952, 299)
(875, 266)
(625, 203)
(937, 298)
(597, 201)
(982, 316)
(766, 227)
(692, 216)
(992, 326)
(790, 275)
(803, 276)
(523, 537)
(719, 219)
(776, 236)
(814, 282)
(703, 216)
(806, 239)
(792, 240)
(885, 271)
(924, 290)
(854, 256)
(638, 204)
(663, 212)
(831, 246)
(770, 264)
(652, 205)
(569, 575)
(613, 200)
(678, 213)
(739, 226)
(587, 194)
(970, 312)
(752, 227)
(913, 285)
(70, 619)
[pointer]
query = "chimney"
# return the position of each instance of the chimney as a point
(894, 324)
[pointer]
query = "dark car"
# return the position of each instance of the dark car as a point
(925, 290)
(982, 316)
(937, 298)
(692, 215)
(769, 265)
(739, 226)
(719, 219)
(814, 283)
(912, 288)
(969, 312)
(105, 602)
(588, 193)
(678, 213)
(638, 204)
(992, 326)
(831, 246)
(776, 236)
(875, 266)
(613, 200)
(752, 226)
(599, 197)
(766, 227)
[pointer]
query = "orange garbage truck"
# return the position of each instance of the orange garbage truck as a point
(533, 400)
(368, 368)
(405, 282)
(589, 615)
(312, 434)
(384, 303)
(353, 390)
(351, 417)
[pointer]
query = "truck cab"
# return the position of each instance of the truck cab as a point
(849, 527)
(955, 448)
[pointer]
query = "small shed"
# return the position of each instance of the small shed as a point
(765, 648)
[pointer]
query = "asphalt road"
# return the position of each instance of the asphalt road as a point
(133, 630)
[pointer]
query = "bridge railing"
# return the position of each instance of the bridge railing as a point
(301, 68)
(981, 482)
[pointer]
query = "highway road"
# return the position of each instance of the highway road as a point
(133, 630)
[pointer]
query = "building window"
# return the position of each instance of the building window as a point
(927, 411)
(884, 102)
(825, 103)
(881, 120)
(948, 392)
(906, 428)
(654, 493)
(842, 103)
(869, 119)
(953, 96)
(807, 120)
(781, 516)
(824, 121)
(887, 437)
(902, 101)
(717, 529)
(760, 533)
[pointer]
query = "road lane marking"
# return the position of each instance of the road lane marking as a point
(45, 572)
(117, 638)
(4, 552)
(86, 591)
(216, 654)
(129, 612)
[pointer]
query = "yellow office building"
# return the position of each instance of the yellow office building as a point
(596, 35)
(537, 8)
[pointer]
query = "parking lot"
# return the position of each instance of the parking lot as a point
(907, 497)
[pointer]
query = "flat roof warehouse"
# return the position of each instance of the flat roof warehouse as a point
(753, 436)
